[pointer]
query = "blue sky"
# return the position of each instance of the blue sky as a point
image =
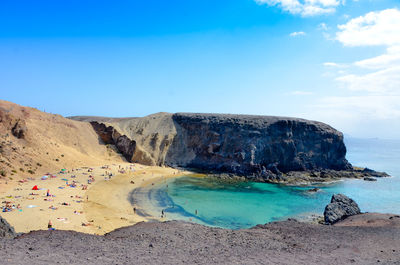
(330, 60)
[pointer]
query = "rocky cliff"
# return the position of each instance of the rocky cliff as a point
(265, 148)
(245, 145)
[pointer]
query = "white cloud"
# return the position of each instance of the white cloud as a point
(375, 28)
(297, 33)
(335, 65)
(304, 7)
(372, 85)
(390, 59)
(382, 82)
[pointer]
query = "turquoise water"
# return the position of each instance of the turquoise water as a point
(244, 204)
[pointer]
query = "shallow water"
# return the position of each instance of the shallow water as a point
(236, 205)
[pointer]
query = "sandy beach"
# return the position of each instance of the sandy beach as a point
(91, 200)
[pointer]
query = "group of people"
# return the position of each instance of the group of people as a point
(90, 179)
(9, 208)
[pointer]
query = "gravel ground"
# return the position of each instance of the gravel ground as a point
(288, 242)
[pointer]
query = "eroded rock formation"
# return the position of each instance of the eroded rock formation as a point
(6, 230)
(340, 208)
(264, 145)
(263, 148)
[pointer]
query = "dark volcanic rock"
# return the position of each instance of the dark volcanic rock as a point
(261, 148)
(373, 173)
(111, 136)
(340, 207)
(107, 133)
(178, 243)
(19, 129)
(6, 230)
(246, 145)
(313, 190)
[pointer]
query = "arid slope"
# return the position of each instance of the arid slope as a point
(32, 142)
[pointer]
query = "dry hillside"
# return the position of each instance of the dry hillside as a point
(33, 142)
(153, 134)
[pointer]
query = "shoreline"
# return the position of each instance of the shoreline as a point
(110, 211)
(101, 208)
(178, 213)
(106, 205)
(153, 202)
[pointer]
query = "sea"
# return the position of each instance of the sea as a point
(237, 204)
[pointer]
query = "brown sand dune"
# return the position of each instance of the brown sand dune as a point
(34, 142)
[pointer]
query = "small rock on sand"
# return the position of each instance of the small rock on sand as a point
(340, 207)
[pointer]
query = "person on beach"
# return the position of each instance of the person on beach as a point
(134, 210)
(50, 225)
(48, 193)
(162, 213)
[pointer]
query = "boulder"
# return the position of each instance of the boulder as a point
(19, 129)
(340, 207)
(313, 190)
(6, 230)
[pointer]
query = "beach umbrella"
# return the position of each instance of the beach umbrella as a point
(35, 187)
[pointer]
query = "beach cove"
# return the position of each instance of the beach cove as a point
(84, 200)
(244, 204)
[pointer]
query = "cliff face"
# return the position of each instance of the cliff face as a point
(261, 146)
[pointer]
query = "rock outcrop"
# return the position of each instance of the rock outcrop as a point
(340, 208)
(127, 147)
(6, 230)
(19, 129)
(260, 145)
(262, 148)
(109, 135)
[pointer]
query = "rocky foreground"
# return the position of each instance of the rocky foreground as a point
(352, 238)
(288, 242)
